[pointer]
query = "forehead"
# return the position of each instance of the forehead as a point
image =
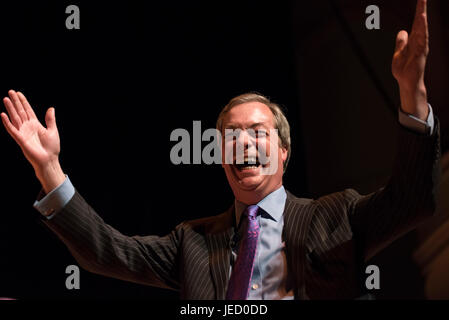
(247, 114)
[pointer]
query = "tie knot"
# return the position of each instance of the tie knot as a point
(251, 211)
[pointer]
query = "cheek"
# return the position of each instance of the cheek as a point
(227, 151)
(269, 146)
(263, 146)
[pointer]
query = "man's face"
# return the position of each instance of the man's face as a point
(252, 181)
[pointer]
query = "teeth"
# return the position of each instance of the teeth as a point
(248, 167)
(249, 160)
(249, 163)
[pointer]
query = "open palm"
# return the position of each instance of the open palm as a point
(40, 145)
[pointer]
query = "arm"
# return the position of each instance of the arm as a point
(101, 249)
(97, 247)
(409, 196)
(377, 219)
(374, 221)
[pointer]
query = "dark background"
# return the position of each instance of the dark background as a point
(135, 71)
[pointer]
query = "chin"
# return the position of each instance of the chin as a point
(250, 183)
(245, 180)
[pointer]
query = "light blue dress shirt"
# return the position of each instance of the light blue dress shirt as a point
(270, 279)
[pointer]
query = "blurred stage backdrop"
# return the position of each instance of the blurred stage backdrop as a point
(137, 70)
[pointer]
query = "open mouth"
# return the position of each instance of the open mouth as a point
(249, 163)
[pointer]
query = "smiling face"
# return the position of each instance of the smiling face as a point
(249, 180)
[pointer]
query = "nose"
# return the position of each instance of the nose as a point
(245, 143)
(242, 138)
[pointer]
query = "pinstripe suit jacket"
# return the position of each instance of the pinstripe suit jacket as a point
(327, 239)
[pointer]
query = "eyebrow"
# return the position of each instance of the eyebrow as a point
(233, 126)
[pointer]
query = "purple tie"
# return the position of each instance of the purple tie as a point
(242, 271)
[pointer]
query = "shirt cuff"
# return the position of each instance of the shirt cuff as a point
(411, 122)
(55, 200)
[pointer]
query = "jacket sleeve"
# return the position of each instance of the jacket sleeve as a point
(408, 198)
(99, 248)
(375, 220)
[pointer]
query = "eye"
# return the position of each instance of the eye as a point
(235, 133)
(261, 133)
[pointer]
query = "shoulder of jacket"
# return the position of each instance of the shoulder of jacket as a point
(208, 224)
(342, 199)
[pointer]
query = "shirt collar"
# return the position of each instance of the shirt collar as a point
(273, 204)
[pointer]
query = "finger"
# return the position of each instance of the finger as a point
(18, 105)
(420, 20)
(13, 132)
(50, 119)
(401, 40)
(26, 106)
(421, 7)
(419, 39)
(12, 113)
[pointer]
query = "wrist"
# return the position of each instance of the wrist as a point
(414, 101)
(50, 175)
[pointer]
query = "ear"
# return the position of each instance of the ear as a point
(284, 154)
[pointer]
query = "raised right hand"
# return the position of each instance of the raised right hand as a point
(40, 145)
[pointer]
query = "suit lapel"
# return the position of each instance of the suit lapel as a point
(218, 238)
(298, 214)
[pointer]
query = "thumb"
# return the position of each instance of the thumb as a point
(50, 119)
(401, 40)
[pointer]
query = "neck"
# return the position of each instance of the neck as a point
(254, 196)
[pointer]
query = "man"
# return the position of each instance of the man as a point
(269, 244)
